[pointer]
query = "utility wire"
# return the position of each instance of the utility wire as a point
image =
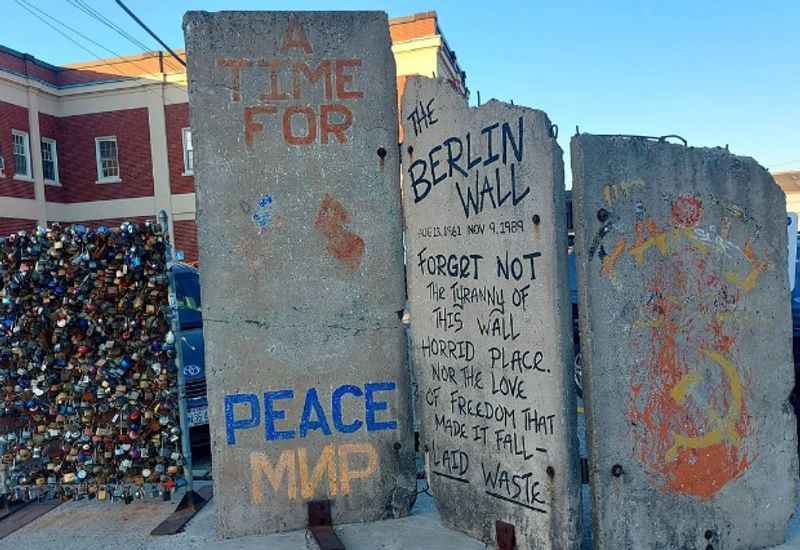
(27, 4)
(59, 31)
(24, 4)
(97, 15)
(91, 12)
(150, 32)
(30, 8)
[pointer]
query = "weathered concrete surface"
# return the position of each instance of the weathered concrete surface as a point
(294, 122)
(686, 341)
(95, 525)
(484, 340)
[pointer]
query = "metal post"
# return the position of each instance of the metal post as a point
(192, 501)
(186, 445)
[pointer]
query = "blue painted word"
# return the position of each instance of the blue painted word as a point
(314, 416)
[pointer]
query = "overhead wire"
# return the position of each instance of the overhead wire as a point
(97, 15)
(41, 16)
(92, 12)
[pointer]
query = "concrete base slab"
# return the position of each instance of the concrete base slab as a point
(93, 525)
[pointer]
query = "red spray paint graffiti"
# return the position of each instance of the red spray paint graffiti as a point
(342, 244)
(688, 406)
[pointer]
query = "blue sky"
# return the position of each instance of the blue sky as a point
(716, 73)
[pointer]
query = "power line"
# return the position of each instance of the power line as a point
(151, 33)
(91, 12)
(59, 31)
(27, 4)
(97, 15)
(28, 7)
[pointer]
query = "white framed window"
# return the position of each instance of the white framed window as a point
(188, 152)
(107, 159)
(49, 161)
(22, 155)
(2, 164)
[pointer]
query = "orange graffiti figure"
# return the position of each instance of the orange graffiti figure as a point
(343, 245)
(687, 409)
(757, 267)
(692, 425)
(610, 261)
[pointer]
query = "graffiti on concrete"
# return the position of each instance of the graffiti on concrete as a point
(344, 245)
(289, 80)
(688, 399)
(349, 409)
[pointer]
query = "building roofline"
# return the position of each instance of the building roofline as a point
(29, 57)
(131, 58)
(411, 18)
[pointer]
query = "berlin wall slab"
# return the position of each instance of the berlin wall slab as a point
(483, 197)
(294, 120)
(686, 342)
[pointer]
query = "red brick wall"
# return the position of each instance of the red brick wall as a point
(12, 225)
(186, 239)
(12, 117)
(42, 73)
(412, 26)
(177, 118)
(78, 165)
(12, 63)
(20, 66)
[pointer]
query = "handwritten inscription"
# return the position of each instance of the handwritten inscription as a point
(479, 354)
(284, 105)
(483, 167)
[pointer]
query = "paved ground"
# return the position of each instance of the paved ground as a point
(94, 525)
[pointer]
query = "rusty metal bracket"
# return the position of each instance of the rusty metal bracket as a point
(505, 535)
(320, 523)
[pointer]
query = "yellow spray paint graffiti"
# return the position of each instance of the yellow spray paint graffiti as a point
(688, 406)
(293, 461)
(618, 191)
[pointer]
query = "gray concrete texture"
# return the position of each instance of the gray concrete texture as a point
(686, 341)
(294, 122)
(483, 199)
(94, 525)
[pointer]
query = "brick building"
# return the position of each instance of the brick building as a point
(789, 181)
(109, 140)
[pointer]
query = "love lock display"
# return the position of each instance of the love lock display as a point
(87, 375)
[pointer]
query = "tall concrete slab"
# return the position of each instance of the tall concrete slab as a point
(294, 120)
(483, 198)
(686, 342)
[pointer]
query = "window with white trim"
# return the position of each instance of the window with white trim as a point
(188, 153)
(22, 155)
(49, 160)
(2, 164)
(107, 159)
